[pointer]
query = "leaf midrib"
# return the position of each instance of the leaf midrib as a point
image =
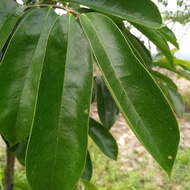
(61, 105)
(120, 106)
(41, 35)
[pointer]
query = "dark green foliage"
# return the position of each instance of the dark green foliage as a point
(46, 85)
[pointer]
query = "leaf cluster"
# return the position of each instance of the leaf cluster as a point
(47, 85)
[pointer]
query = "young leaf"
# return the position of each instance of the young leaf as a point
(107, 109)
(10, 13)
(143, 12)
(103, 139)
(20, 73)
(57, 144)
(136, 94)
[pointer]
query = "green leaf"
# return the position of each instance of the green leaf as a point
(177, 100)
(135, 92)
(143, 12)
(20, 73)
(180, 67)
(21, 186)
(170, 90)
(139, 49)
(20, 152)
(57, 146)
(182, 71)
(107, 109)
(164, 78)
(1, 55)
(163, 64)
(103, 139)
(157, 38)
(88, 185)
(10, 12)
(169, 36)
(93, 93)
(183, 63)
(87, 172)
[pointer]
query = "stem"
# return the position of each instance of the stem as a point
(9, 170)
(56, 7)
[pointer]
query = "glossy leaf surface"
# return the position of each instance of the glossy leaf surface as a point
(10, 12)
(103, 139)
(139, 49)
(57, 147)
(107, 109)
(142, 12)
(20, 73)
(156, 37)
(137, 95)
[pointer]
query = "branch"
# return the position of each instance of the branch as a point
(56, 7)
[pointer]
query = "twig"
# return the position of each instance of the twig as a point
(56, 7)
(9, 170)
